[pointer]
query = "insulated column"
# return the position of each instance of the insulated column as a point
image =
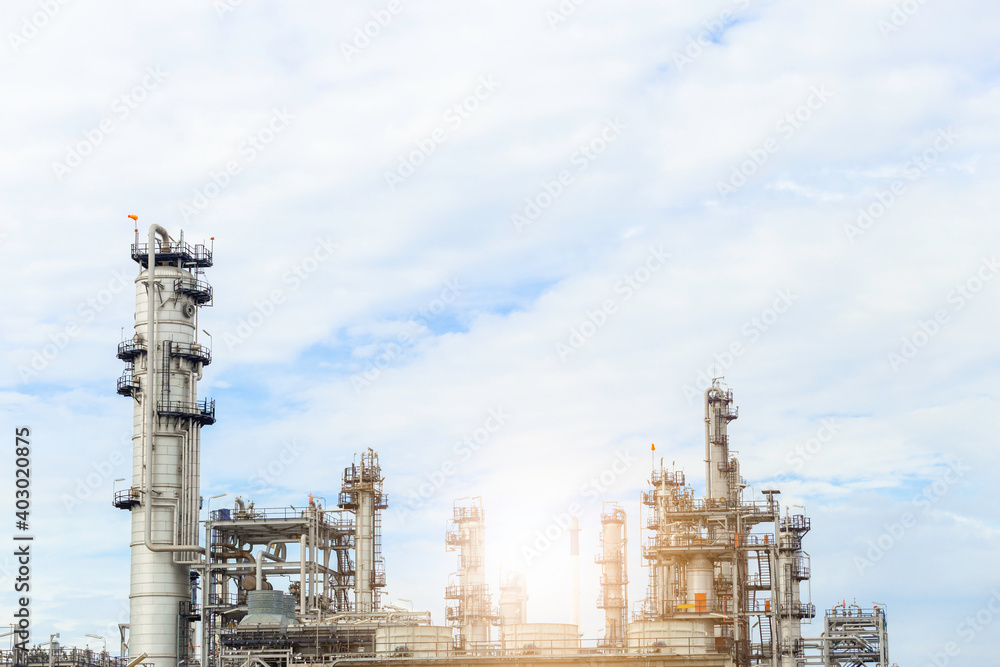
(165, 362)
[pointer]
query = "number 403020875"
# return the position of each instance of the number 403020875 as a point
(22, 472)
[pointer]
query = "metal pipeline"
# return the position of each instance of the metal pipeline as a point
(261, 555)
(708, 447)
(191, 481)
(302, 575)
(151, 383)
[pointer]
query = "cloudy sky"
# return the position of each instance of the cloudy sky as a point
(552, 220)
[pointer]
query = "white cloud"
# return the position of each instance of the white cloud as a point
(495, 345)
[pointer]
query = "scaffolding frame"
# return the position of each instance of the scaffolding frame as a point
(236, 536)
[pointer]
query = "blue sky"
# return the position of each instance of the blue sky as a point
(836, 163)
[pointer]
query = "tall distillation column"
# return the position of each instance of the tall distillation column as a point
(792, 569)
(669, 495)
(723, 491)
(472, 610)
(681, 583)
(613, 559)
(165, 362)
(362, 493)
(719, 470)
(513, 599)
(574, 571)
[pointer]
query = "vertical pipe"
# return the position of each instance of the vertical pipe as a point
(206, 593)
(773, 560)
(364, 565)
(150, 399)
(624, 641)
(302, 575)
(735, 607)
(574, 555)
(708, 448)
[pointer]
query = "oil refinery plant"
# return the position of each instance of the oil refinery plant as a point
(727, 575)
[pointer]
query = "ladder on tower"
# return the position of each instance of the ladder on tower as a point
(765, 636)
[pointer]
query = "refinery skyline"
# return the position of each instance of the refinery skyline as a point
(512, 272)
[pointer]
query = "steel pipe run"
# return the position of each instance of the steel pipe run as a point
(261, 555)
(302, 575)
(708, 446)
(150, 383)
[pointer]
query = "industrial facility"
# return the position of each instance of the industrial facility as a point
(727, 576)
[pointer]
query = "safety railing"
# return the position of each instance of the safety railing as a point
(171, 253)
(126, 499)
(199, 290)
(128, 350)
(128, 384)
(74, 657)
(193, 351)
(327, 517)
(202, 411)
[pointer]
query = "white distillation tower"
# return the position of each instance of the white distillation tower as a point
(362, 493)
(472, 610)
(792, 569)
(165, 362)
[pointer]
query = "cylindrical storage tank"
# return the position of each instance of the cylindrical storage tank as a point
(700, 580)
(513, 599)
(265, 608)
(290, 607)
(670, 637)
(542, 639)
(701, 599)
(418, 641)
